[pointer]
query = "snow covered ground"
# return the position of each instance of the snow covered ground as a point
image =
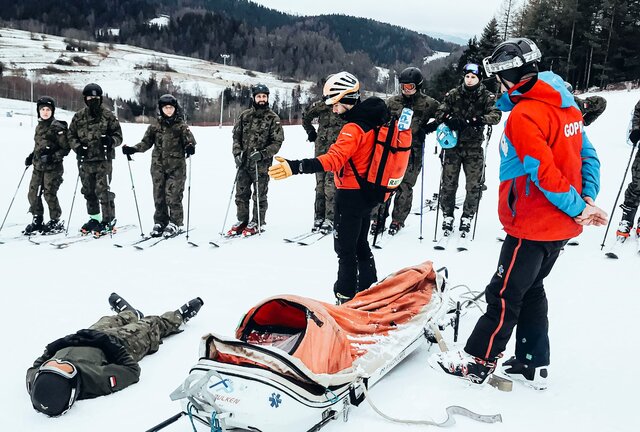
(117, 67)
(49, 293)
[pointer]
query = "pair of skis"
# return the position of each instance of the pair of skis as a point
(147, 242)
(462, 243)
(307, 238)
(616, 250)
(85, 237)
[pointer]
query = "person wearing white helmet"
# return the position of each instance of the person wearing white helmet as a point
(356, 264)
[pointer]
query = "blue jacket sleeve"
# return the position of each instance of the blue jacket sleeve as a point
(590, 169)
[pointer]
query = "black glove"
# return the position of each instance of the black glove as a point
(238, 160)
(189, 150)
(454, 123)
(311, 136)
(107, 142)
(430, 127)
(82, 150)
(29, 160)
(476, 121)
(127, 150)
(634, 136)
(255, 156)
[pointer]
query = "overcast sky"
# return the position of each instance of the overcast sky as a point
(453, 17)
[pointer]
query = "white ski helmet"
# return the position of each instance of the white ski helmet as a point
(342, 87)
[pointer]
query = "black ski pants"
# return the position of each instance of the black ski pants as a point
(356, 266)
(516, 297)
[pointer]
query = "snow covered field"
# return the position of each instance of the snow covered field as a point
(49, 293)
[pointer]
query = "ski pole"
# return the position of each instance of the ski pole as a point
(66, 233)
(258, 200)
(135, 198)
(188, 198)
(235, 181)
(435, 231)
(482, 180)
(14, 197)
(421, 190)
(166, 423)
(381, 217)
(615, 204)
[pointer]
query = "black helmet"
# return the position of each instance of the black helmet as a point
(46, 101)
(411, 75)
(167, 99)
(92, 89)
(259, 88)
(53, 392)
(513, 59)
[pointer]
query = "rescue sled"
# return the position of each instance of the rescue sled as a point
(297, 364)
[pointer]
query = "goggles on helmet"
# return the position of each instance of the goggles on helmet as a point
(57, 370)
(516, 62)
(408, 86)
(473, 68)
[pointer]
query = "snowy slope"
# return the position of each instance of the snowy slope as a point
(49, 293)
(114, 67)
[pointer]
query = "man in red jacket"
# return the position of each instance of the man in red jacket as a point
(550, 177)
(356, 265)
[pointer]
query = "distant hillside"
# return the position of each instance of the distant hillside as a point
(256, 37)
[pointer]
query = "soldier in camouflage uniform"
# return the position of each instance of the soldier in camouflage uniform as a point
(424, 109)
(102, 359)
(172, 141)
(466, 109)
(591, 107)
(257, 137)
(93, 134)
(632, 194)
(329, 126)
(50, 149)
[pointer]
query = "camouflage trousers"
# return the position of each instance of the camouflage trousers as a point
(95, 178)
(247, 179)
(325, 188)
(168, 190)
(403, 200)
(472, 161)
(45, 184)
(140, 337)
(632, 194)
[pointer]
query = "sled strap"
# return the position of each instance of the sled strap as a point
(449, 421)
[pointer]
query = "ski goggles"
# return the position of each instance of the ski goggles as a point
(473, 68)
(407, 86)
(513, 63)
(61, 367)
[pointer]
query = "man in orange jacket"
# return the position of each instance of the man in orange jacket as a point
(550, 177)
(356, 265)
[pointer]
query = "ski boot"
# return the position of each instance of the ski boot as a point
(465, 226)
(327, 227)
(251, 229)
(394, 227)
(90, 226)
(157, 230)
(118, 304)
(463, 366)
(341, 299)
(171, 230)
(54, 226)
(236, 229)
(317, 224)
(35, 226)
(190, 309)
(638, 229)
(104, 228)
(447, 226)
(624, 227)
(534, 377)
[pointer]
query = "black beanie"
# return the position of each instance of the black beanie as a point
(51, 393)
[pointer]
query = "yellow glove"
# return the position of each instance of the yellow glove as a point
(280, 170)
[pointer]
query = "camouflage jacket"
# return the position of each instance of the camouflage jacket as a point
(88, 130)
(635, 120)
(257, 130)
(424, 108)
(329, 124)
(168, 141)
(591, 108)
(50, 136)
(465, 104)
(97, 356)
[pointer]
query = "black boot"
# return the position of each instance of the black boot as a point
(190, 309)
(35, 226)
(118, 304)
